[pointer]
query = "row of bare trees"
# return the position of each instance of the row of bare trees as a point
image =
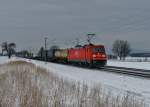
(9, 48)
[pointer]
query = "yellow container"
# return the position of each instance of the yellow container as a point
(62, 53)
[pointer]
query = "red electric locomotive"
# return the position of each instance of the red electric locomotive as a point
(91, 55)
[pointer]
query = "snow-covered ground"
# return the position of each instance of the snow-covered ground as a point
(115, 82)
(138, 65)
(3, 60)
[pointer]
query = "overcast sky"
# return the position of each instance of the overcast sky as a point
(27, 22)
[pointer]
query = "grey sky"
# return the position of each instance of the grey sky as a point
(27, 22)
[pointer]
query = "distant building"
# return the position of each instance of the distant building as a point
(140, 54)
(139, 57)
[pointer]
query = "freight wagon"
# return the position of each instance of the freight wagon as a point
(61, 55)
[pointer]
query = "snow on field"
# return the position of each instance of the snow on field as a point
(117, 83)
(138, 65)
(3, 60)
(114, 82)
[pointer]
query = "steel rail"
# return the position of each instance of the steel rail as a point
(134, 69)
(127, 71)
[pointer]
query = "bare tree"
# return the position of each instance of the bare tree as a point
(4, 47)
(121, 49)
(9, 48)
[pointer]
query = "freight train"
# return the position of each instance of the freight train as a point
(88, 55)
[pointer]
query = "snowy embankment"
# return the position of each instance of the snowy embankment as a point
(137, 65)
(115, 83)
(23, 84)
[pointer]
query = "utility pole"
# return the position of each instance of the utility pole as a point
(45, 48)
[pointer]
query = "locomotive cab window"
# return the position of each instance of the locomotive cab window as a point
(98, 49)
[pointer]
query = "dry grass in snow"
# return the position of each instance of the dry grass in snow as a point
(23, 84)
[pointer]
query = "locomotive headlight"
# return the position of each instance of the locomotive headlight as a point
(103, 55)
(94, 56)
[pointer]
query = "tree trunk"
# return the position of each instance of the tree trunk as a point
(120, 57)
(2, 52)
(9, 54)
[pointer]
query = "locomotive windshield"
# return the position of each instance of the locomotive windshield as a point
(98, 49)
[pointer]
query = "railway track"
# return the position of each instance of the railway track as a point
(121, 70)
(128, 71)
